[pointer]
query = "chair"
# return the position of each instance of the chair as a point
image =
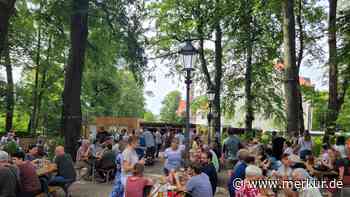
(65, 186)
(108, 174)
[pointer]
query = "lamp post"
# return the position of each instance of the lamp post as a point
(189, 56)
(210, 95)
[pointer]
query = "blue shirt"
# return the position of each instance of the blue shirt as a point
(239, 173)
(149, 139)
(199, 186)
(232, 146)
(173, 159)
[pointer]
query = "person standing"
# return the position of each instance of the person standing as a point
(102, 135)
(179, 135)
(150, 143)
(277, 145)
(118, 189)
(158, 137)
(130, 158)
(231, 147)
(173, 157)
(209, 169)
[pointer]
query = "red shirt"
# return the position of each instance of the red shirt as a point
(29, 179)
(135, 186)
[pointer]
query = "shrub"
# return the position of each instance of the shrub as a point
(317, 141)
(52, 143)
(11, 147)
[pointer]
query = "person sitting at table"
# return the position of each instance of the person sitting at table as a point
(135, 184)
(209, 169)
(328, 157)
(252, 172)
(32, 153)
(301, 174)
(83, 157)
(102, 135)
(305, 145)
(343, 167)
(199, 184)
(340, 146)
(65, 168)
(41, 151)
(285, 170)
(30, 184)
(9, 184)
(239, 172)
(288, 148)
(106, 161)
(173, 157)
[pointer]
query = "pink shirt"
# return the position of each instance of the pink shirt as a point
(246, 191)
(135, 186)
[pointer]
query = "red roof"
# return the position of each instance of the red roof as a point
(181, 108)
(304, 81)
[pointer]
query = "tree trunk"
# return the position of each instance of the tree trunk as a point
(291, 89)
(249, 116)
(43, 82)
(7, 8)
(299, 60)
(217, 80)
(333, 68)
(73, 76)
(9, 89)
(32, 121)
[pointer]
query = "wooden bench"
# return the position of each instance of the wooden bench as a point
(52, 189)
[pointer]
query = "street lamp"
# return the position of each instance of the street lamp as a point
(210, 95)
(189, 57)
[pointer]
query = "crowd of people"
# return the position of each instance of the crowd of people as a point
(18, 170)
(289, 159)
(122, 157)
(199, 179)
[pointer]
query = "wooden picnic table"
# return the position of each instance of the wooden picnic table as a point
(46, 169)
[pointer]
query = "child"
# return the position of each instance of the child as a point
(136, 183)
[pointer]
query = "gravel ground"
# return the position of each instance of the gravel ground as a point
(89, 189)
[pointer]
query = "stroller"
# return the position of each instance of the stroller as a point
(149, 158)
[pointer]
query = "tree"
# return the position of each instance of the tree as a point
(9, 88)
(333, 104)
(253, 42)
(7, 9)
(291, 75)
(168, 112)
(249, 116)
(148, 116)
(201, 22)
(71, 114)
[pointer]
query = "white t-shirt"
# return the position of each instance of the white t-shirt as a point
(341, 149)
(132, 158)
(288, 150)
(304, 145)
